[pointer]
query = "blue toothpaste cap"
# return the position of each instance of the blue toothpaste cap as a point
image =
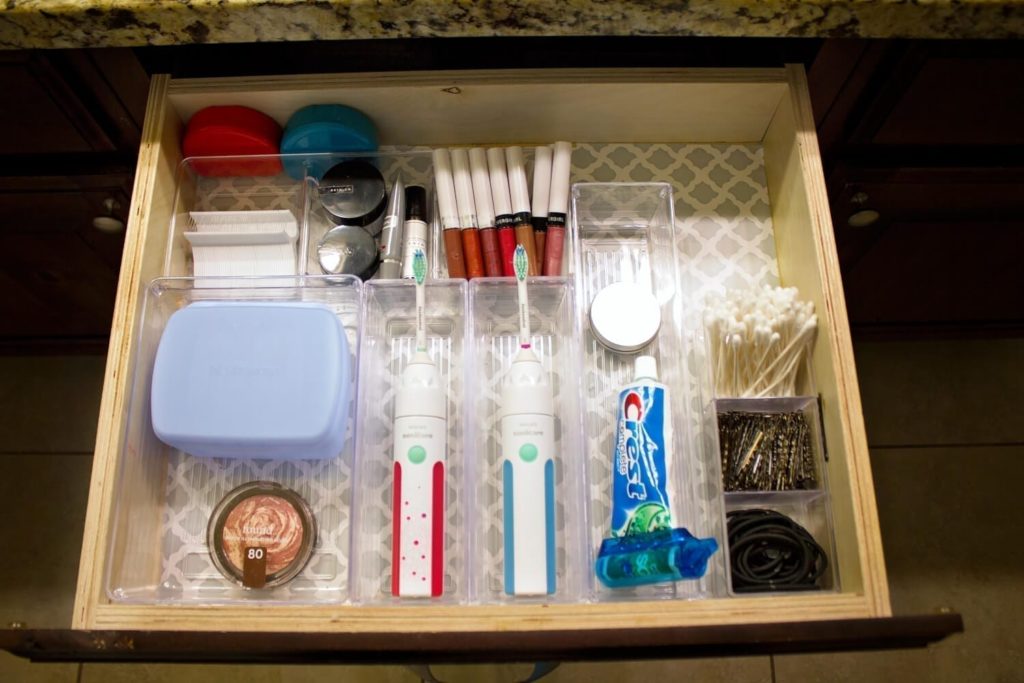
(670, 555)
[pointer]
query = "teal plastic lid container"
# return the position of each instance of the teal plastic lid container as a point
(253, 380)
(325, 128)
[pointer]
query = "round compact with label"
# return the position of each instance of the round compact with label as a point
(261, 535)
(353, 193)
(625, 317)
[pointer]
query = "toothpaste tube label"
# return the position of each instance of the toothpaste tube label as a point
(640, 501)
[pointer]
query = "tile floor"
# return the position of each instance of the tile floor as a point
(948, 458)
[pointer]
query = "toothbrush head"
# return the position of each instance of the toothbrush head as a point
(419, 266)
(520, 262)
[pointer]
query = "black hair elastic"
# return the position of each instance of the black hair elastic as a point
(771, 552)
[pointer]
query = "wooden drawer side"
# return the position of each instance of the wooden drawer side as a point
(807, 259)
(152, 199)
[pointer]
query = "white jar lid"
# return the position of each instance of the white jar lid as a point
(625, 317)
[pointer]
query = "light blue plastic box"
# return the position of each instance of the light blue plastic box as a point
(253, 380)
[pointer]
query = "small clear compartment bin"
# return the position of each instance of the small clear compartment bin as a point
(625, 232)
(495, 343)
(166, 497)
(388, 345)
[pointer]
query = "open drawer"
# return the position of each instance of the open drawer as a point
(765, 110)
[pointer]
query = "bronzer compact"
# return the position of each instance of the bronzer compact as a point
(261, 535)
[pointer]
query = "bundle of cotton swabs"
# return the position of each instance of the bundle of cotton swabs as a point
(759, 340)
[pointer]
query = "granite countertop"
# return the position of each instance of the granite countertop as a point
(99, 23)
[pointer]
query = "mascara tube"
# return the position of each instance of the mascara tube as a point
(415, 228)
(503, 220)
(449, 213)
(521, 206)
(489, 246)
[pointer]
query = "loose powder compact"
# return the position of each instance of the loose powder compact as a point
(261, 535)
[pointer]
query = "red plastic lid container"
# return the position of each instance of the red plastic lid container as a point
(233, 130)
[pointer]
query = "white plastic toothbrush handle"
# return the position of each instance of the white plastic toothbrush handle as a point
(528, 482)
(417, 567)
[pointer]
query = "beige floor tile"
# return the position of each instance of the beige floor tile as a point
(728, 670)
(46, 496)
(17, 670)
(950, 523)
(942, 392)
(733, 670)
(178, 673)
(347, 674)
(49, 404)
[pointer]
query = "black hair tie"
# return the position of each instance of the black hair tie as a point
(770, 552)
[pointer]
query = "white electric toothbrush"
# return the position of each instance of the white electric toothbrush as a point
(420, 436)
(528, 468)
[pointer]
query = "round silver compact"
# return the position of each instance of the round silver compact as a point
(353, 192)
(348, 250)
(625, 317)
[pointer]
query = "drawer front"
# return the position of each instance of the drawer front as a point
(767, 107)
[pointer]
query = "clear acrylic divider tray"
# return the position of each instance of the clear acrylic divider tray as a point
(389, 342)
(624, 232)
(807, 500)
(165, 497)
(495, 343)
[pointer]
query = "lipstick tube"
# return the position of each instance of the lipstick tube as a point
(448, 209)
(503, 219)
(485, 212)
(558, 208)
(541, 186)
(467, 213)
(521, 206)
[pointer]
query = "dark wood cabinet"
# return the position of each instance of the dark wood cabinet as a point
(72, 122)
(929, 138)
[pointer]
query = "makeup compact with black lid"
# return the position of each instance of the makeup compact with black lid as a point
(354, 196)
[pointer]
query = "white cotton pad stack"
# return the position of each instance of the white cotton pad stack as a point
(758, 341)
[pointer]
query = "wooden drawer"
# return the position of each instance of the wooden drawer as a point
(770, 107)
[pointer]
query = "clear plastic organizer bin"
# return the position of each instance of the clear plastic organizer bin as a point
(624, 232)
(810, 509)
(263, 187)
(165, 497)
(199, 191)
(494, 334)
(806, 498)
(388, 344)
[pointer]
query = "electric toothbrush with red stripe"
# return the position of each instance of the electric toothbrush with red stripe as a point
(420, 441)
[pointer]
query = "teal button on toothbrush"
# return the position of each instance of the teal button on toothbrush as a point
(528, 467)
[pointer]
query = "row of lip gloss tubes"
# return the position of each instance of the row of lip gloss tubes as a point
(485, 210)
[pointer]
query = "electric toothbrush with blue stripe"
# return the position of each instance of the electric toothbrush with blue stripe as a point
(528, 467)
